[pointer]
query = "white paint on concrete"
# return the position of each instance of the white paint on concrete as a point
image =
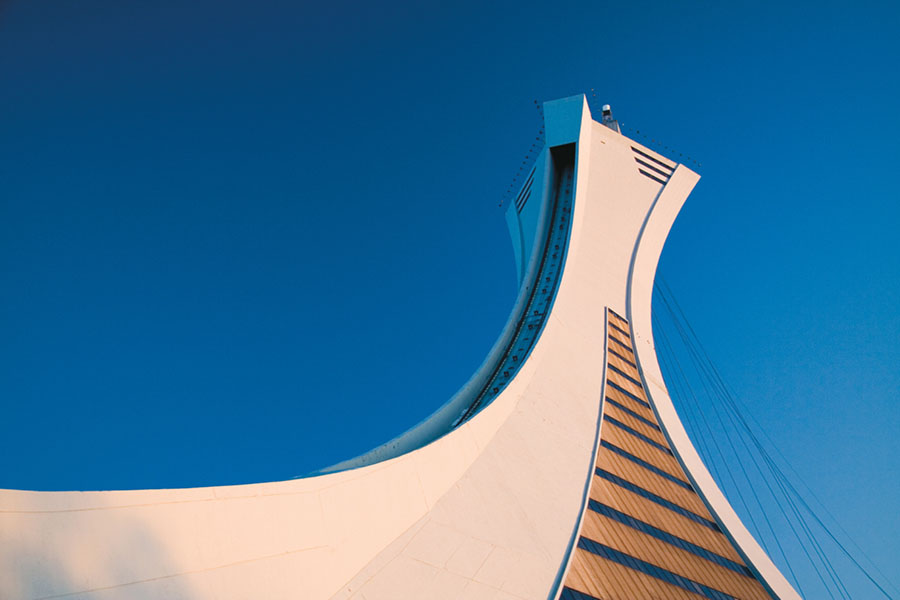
(487, 510)
(640, 292)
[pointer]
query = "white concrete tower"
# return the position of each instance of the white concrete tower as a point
(561, 469)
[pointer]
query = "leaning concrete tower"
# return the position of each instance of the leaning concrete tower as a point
(560, 470)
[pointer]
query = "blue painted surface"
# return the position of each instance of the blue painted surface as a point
(551, 257)
(529, 315)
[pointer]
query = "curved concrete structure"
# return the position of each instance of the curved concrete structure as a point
(488, 498)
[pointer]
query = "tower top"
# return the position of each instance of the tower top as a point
(606, 117)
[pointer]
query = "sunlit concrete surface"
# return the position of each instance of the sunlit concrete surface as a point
(488, 508)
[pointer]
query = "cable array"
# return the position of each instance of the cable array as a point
(749, 467)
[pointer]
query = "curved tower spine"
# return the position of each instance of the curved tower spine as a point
(559, 470)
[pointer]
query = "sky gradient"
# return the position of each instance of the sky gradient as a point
(240, 242)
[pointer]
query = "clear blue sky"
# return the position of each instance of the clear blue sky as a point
(242, 241)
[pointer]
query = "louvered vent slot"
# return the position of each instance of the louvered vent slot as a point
(649, 166)
(525, 194)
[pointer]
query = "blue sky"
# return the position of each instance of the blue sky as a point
(239, 242)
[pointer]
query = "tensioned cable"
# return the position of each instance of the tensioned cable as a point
(666, 351)
(716, 406)
(779, 474)
(729, 397)
(804, 526)
(706, 368)
(825, 508)
(691, 406)
(817, 548)
(714, 441)
(703, 370)
(821, 505)
(839, 544)
(738, 404)
(707, 427)
(713, 465)
(671, 365)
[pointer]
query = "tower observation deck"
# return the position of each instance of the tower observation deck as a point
(560, 470)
